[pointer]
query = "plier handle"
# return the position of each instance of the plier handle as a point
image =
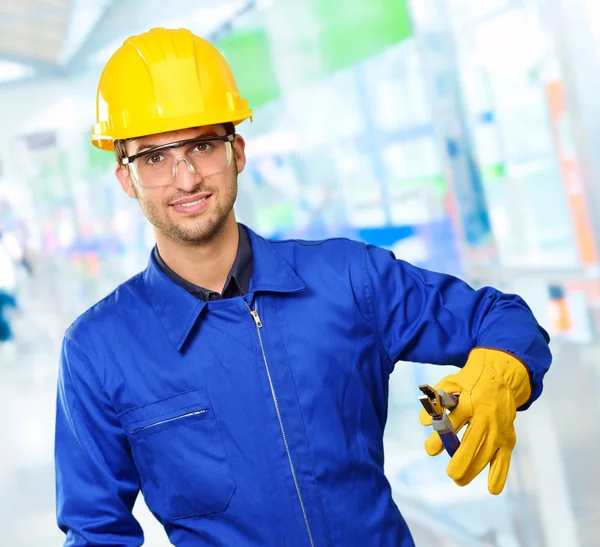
(435, 403)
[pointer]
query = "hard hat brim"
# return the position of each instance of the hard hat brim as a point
(106, 142)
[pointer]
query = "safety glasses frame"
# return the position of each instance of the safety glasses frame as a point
(199, 140)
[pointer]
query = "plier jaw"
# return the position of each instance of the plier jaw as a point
(431, 401)
(435, 403)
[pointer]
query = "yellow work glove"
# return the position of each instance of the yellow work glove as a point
(491, 385)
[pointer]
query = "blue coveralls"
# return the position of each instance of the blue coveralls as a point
(258, 420)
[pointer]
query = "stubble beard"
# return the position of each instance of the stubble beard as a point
(196, 229)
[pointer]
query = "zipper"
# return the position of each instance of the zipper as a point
(195, 413)
(259, 325)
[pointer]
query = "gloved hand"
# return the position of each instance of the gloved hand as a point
(492, 385)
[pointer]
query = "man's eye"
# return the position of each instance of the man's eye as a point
(154, 159)
(202, 147)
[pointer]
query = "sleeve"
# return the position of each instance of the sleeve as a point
(428, 317)
(96, 479)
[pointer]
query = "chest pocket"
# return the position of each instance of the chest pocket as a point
(179, 452)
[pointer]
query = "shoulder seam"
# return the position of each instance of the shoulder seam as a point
(368, 288)
(94, 306)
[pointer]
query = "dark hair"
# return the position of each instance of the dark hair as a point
(121, 149)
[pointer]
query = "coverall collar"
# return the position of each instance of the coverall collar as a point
(178, 310)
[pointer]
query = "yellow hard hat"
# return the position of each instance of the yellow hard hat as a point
(164, 80)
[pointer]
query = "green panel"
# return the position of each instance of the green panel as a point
(296, 43)
(492, 174)
(358, 29)
(275, 216)
(52, 184)
(100, 160)
(248, 52)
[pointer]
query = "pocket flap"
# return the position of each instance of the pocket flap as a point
(165, 409)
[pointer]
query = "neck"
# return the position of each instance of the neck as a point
(207, 264)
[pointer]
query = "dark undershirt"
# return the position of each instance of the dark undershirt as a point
(237, 282)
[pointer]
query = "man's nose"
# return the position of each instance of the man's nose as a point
(184, 179)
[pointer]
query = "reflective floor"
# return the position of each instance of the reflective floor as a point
(552, 499)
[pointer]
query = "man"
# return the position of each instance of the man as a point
(242, 384)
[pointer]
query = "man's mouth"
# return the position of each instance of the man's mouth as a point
(191, 204)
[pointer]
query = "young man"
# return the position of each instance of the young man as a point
(242, 384)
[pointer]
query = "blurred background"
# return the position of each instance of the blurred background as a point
(462, 134)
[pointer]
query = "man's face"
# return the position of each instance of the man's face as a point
(173, 209)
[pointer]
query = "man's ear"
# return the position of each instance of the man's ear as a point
(239, 149)
(124, 177)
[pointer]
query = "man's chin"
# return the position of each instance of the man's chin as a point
(188, 233)
(185, 238)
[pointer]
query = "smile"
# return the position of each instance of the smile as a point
(192, 207)
(191, 204)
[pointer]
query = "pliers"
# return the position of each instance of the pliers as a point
(435, 403)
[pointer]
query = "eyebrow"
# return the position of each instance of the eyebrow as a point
(149, 146)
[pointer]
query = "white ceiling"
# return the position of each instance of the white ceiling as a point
(46, 32)
(40, 37)
(33, 30)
